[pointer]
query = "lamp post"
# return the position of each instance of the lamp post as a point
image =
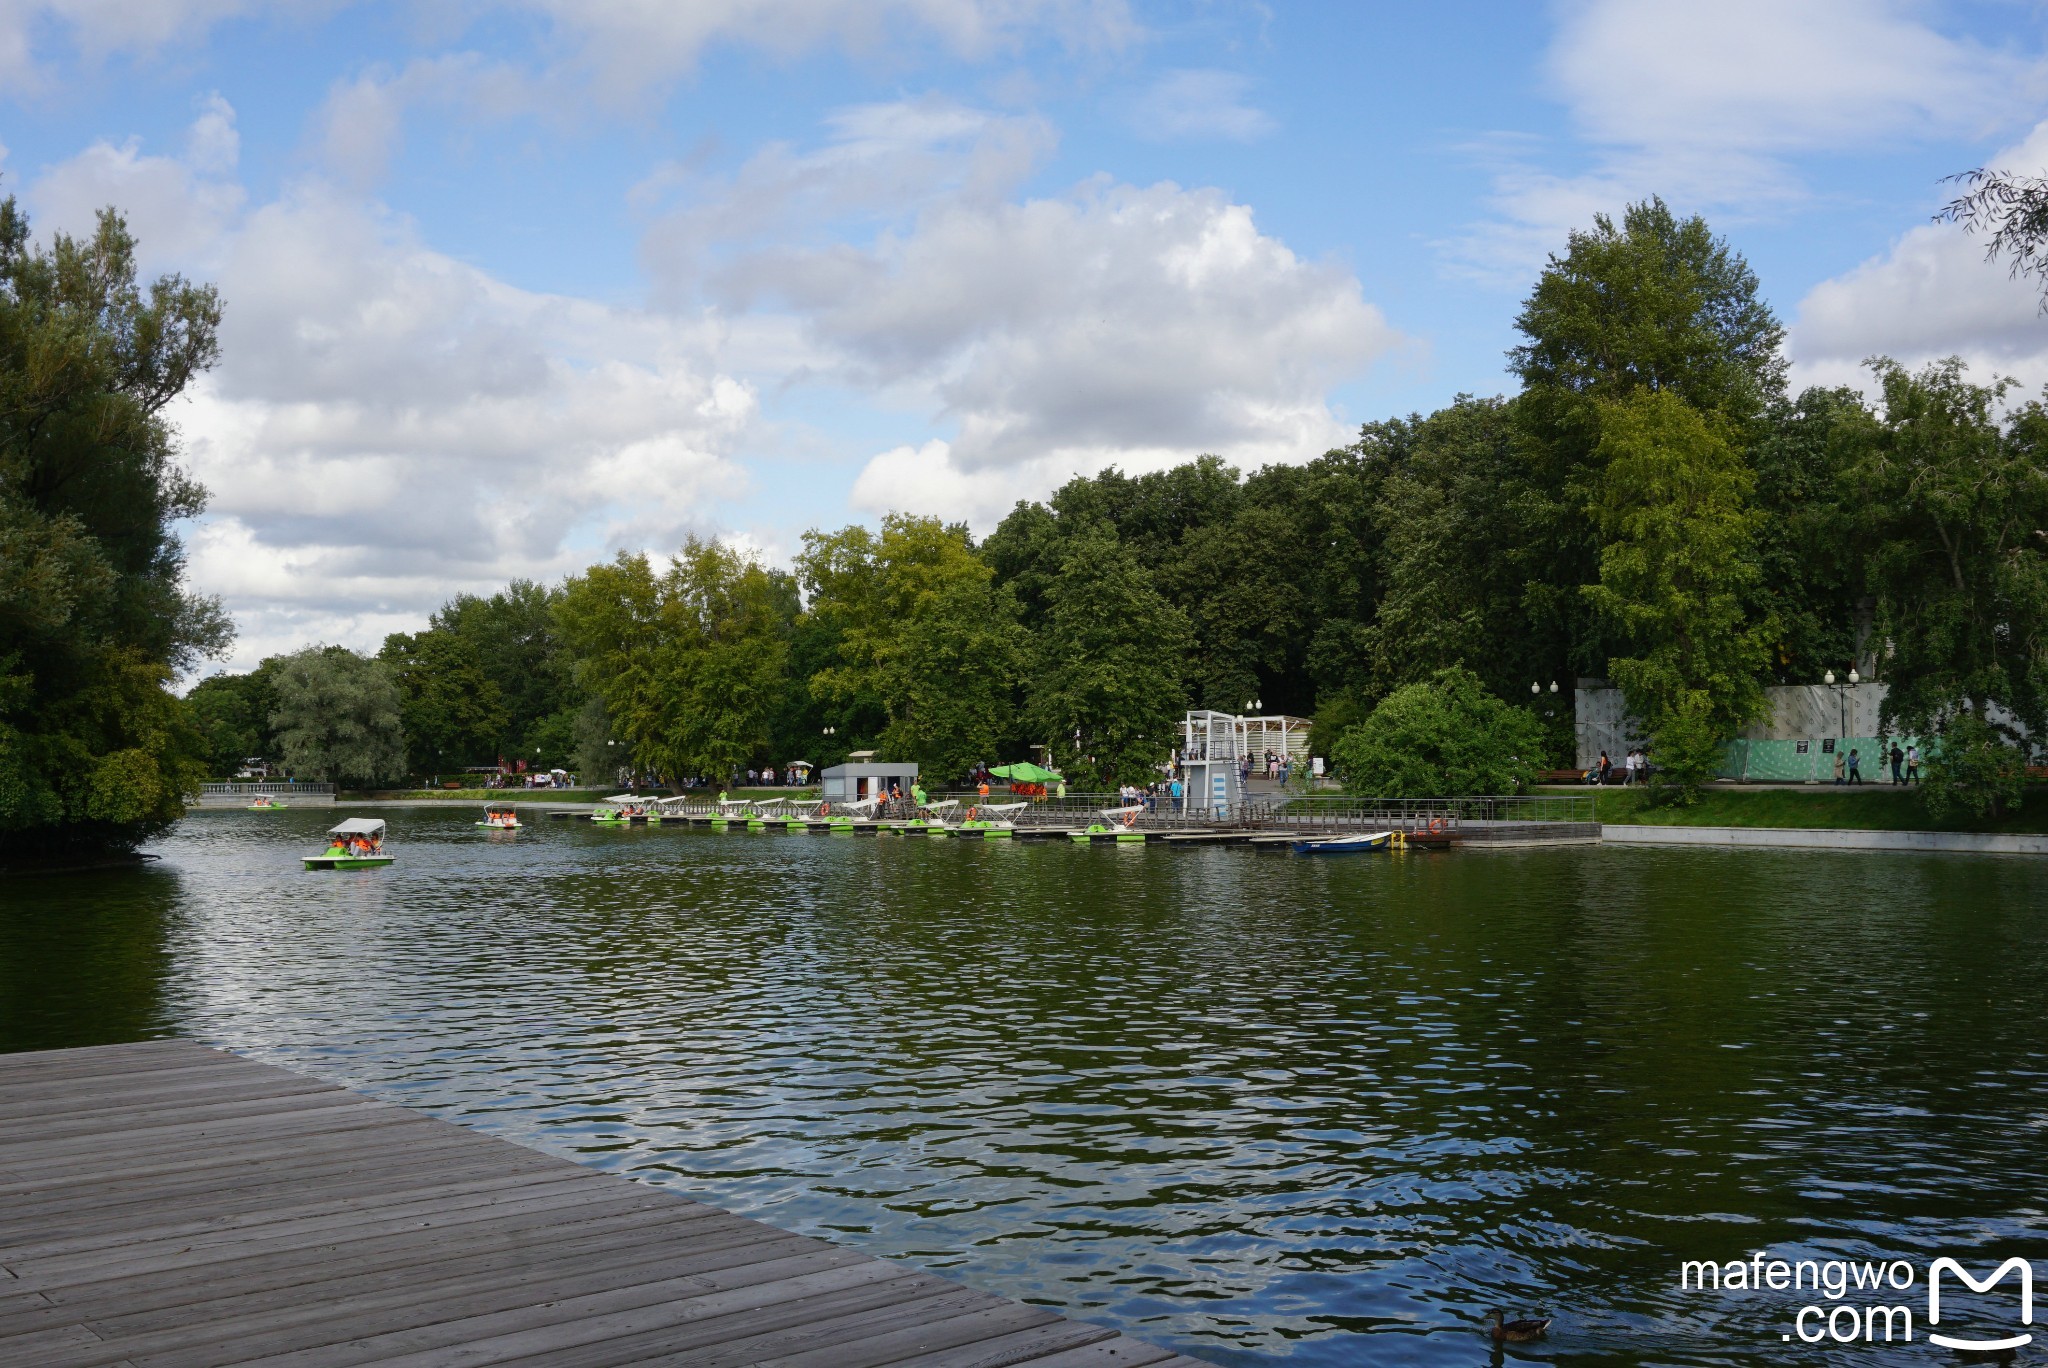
(1842, 698)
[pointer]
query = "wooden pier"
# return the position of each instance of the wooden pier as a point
(164, 1205)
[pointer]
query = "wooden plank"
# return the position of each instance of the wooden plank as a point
(167, 1206)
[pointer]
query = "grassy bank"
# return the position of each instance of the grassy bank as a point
(1872, 807)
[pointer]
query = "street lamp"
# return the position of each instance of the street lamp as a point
(1534, 687)
(1553, 686)
(1842, 697)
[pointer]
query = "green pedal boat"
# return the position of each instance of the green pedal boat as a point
(357, 843)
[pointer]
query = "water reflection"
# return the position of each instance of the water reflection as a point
(1256, 1106)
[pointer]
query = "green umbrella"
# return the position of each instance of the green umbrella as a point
(1024, 772)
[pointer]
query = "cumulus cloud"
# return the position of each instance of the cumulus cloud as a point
(1199, 104)
(1111, 323)
(1933, 294)
(179, 208)
(390, 425)
(1711, 106)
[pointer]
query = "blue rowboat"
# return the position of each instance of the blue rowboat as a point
(1346, 845)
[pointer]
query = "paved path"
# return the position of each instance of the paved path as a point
(164, 1205)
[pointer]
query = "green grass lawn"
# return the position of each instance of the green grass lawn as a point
(1871, 807)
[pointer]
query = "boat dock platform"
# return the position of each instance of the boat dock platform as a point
(172, 1206)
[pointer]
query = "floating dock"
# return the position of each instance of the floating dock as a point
(164, 1205)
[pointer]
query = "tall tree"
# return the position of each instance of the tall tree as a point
(96, 754)
(1954, 501)
(232, 712)
(689, 663)
(1106, 687)
(1654, 303)
(921, 637)
(453, 712)
(337, 717)
(1676, 568)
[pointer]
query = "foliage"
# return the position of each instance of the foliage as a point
(453, 713)
(1972, 767)
(1443, 737)
(2015, 210)
(689, 663)
(1809, 584)
(232, 713)
(921, 637)
(1106, 691)
(513, 638)
(1952, 501)
(1674, 508)
(95, 753)
(337, 718)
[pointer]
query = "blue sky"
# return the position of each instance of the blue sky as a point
(517, 283)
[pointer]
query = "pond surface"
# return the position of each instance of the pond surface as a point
(1262, 1108)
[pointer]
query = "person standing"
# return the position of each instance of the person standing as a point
(1913, 763)
(1840, 766)
(1628, 768)
(1898, 759)
(1606, 767)
(1178, 792)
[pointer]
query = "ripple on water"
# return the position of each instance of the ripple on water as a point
(1257, 1107)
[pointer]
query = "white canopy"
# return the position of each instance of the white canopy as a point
(625, 798)
(1000, 807)
(1123, 811)
(359, 826)
(942, 805)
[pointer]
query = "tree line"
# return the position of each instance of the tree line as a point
(1652, 505)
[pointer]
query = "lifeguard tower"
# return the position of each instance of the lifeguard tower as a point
(1212, 752)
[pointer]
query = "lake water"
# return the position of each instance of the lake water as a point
(1262, 1108)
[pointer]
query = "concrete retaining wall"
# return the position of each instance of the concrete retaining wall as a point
(1811, 838)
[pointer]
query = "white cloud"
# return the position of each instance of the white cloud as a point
(1712, 105)
(1933, 294)
(1199, 104)
(1114, 323)
(389, 425)
(620, 48)
(177, 207)
(629, 45)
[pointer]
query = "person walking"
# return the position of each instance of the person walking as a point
(1840, 766)
(1855, 766)
(1898, 759)
(1606, 768)
(1913, 763)
(1628, 768)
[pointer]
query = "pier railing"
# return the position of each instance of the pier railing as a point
(1403, 813)
(228, 794)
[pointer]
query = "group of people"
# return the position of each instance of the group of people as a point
(1634, 765)
(765, 778)
(1905, 762)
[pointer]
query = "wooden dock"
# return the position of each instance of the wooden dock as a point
(164, 1205)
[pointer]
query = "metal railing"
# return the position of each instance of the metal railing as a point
(1484, 810)
(224, 794)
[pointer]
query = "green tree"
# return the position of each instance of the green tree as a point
(1444, 737)
(453, 713)
(1655, 303)
(1810, 582)
(1954, 500)
(513, 638)
(232, 713)
(1674, 574)
(1106, 689)
(922, 639)
(96, 754)
(337, 717)
(690, 664)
